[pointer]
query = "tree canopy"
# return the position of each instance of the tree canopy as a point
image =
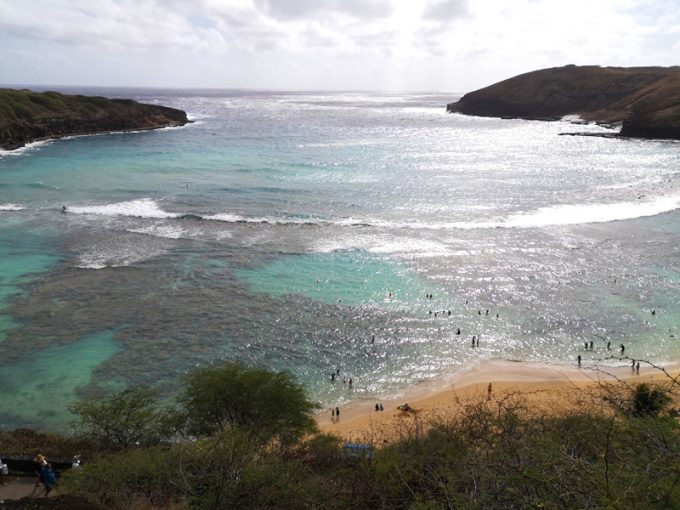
(269, 403)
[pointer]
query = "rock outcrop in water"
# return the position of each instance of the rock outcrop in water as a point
(644, 100)
(27, 116)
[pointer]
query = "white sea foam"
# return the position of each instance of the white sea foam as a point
(10, 207)
(165, 231)
(140, 208)
(117, 253)
(22, 150)
(422, 248)
(566, 214)
(574, 214)
(235, 218)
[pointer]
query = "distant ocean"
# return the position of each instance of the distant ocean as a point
(286, 230)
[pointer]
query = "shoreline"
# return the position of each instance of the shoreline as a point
(547, 385)
(14, 149)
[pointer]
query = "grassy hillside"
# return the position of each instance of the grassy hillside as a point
(27, 116)
(242, 438)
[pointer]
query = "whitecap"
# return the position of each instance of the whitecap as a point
(140, 208)
(10, 207)
(575, 214)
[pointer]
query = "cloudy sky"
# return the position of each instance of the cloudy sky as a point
(447, 45)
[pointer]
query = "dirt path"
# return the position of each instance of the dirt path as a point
(17, 487)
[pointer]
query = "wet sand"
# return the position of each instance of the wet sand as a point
(550, 388)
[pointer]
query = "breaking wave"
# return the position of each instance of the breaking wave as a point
(565, 214)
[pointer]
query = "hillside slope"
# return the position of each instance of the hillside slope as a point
(27, 116)
(645, 100)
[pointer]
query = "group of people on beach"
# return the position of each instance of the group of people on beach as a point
(335, 375)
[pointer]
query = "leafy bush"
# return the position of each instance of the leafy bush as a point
(126, 478)
(123, 420)
(25, 442)
(268, 404)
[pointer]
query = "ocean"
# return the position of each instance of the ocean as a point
(306, 231)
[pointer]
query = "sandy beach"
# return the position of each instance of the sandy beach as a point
(545, 387)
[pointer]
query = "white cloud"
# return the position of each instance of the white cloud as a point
(444, 10)
(364, 44)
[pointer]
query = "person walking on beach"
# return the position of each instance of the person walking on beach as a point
(488, 392)
(578, 360)
(637, 368)
(333, 415)
(632, 364)
(337, 413)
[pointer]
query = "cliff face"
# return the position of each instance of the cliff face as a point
(27, 116)
(645, 100)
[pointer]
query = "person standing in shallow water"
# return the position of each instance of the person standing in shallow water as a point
(337, 413)
(578, 360)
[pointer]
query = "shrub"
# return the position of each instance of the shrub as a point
(648, 401)
(125, 419)
(268, 404)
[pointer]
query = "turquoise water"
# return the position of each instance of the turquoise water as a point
(353, 278)
(288, 230)
(37, 388)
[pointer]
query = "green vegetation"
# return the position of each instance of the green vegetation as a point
(268, 404)
(480, 455)
(25, 104)
(26, 116)
(126, 419)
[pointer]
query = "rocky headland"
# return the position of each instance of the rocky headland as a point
(645, 101)
(27, 116)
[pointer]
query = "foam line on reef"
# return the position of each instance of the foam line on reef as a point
(564, 214)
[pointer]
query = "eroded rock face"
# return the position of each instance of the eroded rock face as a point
(645, 100)
(27, 116)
